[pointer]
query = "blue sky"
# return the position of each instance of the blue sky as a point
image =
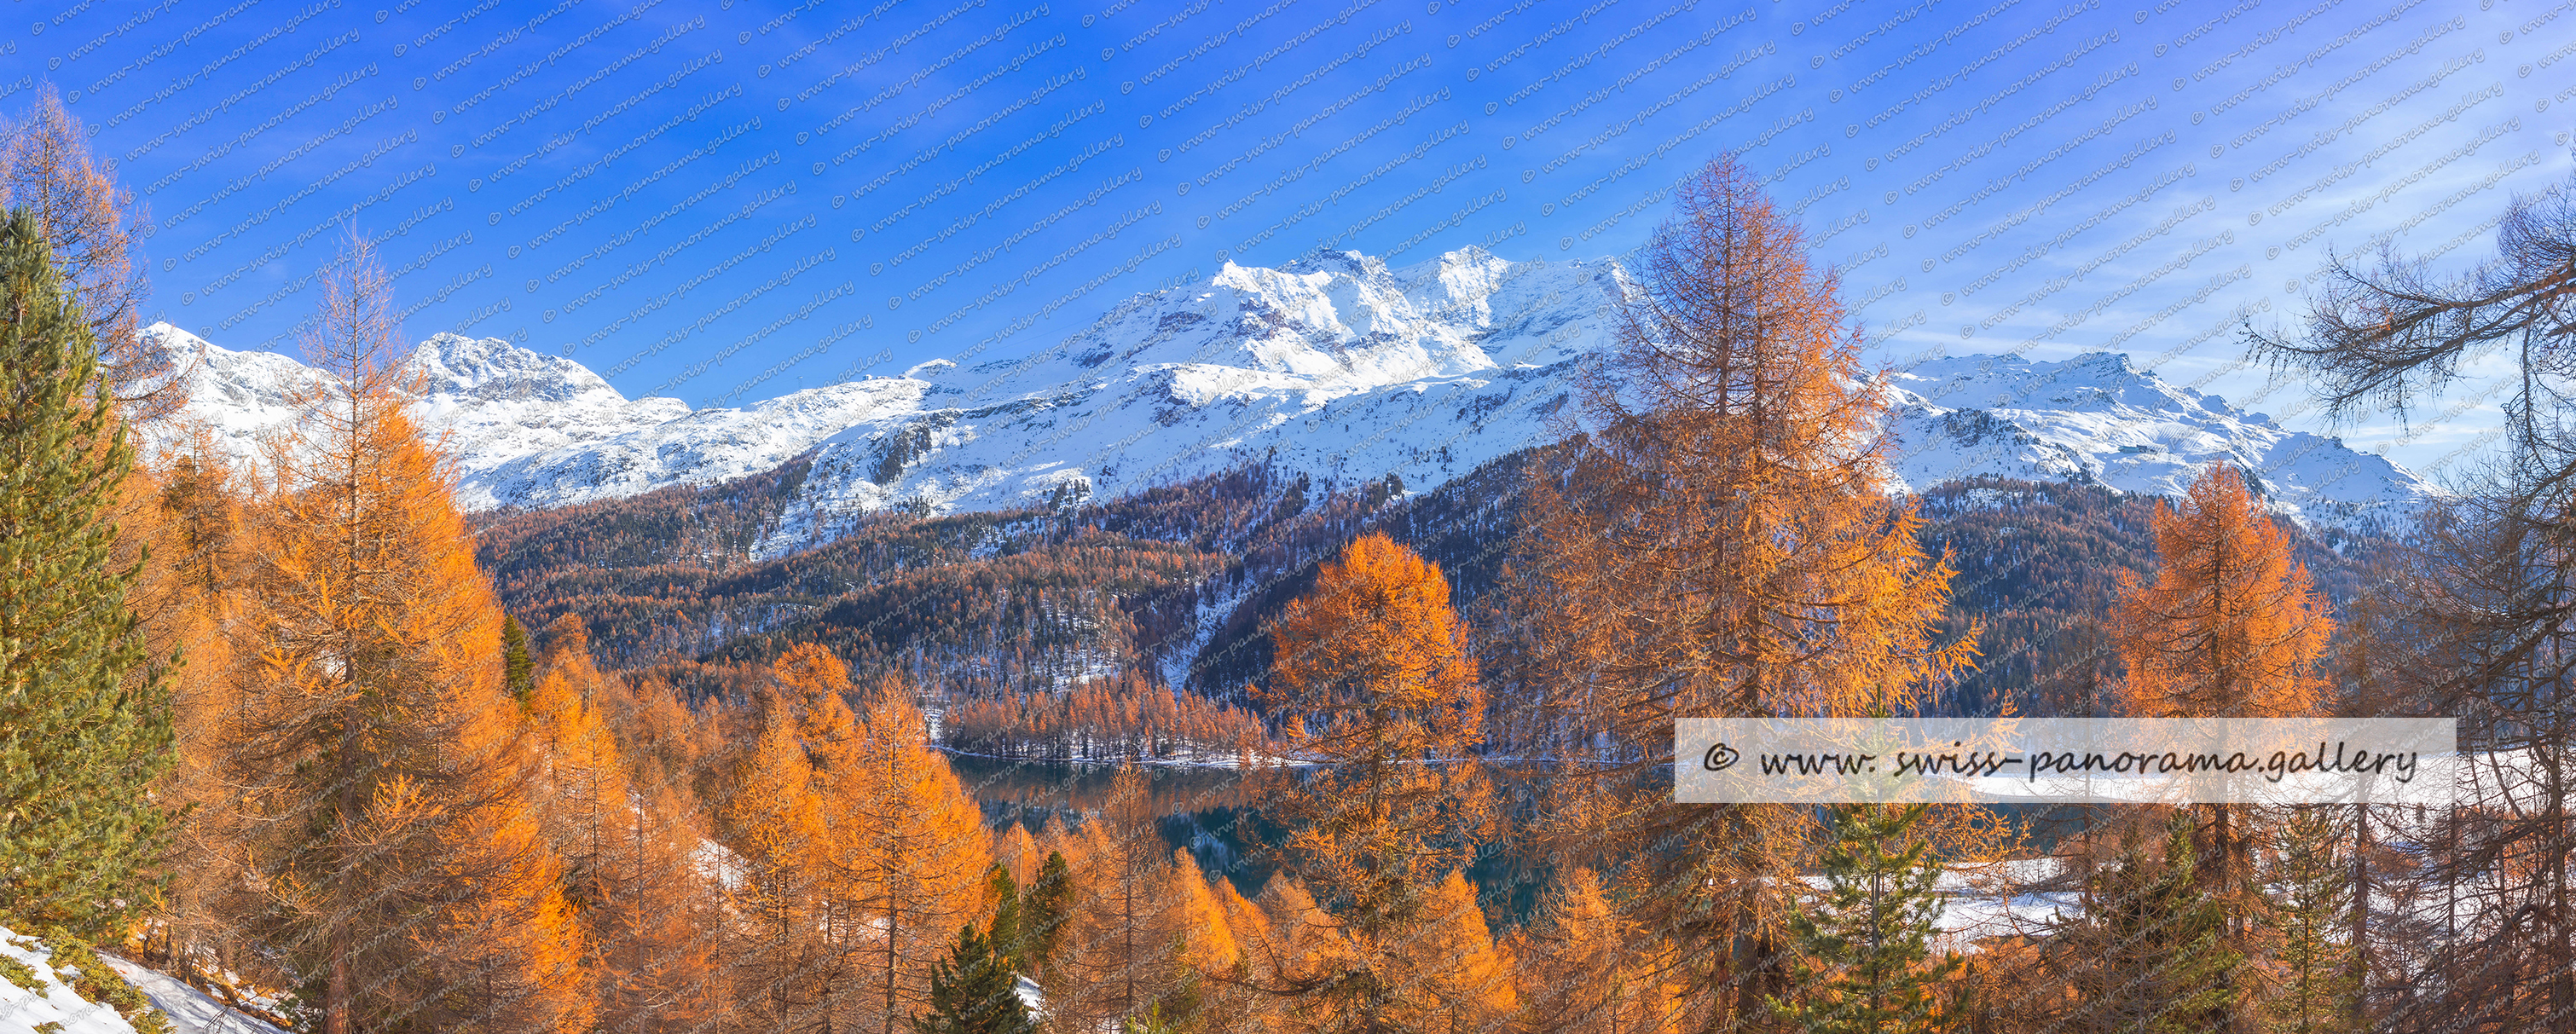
(724, 201)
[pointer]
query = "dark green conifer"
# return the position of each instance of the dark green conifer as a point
(1044, 904)
(2149, 953)
(2309, 895)
(973, 991)
(84, 713)
(1005, 928)
(518, 667)
(1865, 943)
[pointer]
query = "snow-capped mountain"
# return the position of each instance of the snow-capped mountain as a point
(495, 400)
(492, 400)
(1334, 366)
(2097, 420)
(240, 398)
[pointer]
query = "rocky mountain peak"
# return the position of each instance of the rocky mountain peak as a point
(1335, 367)
(492, 369)
(1331, 262)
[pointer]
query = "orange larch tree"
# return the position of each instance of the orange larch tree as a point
(1584, 968)
(647, 908)
(909, 853)
(190, 515)
(1462, 981)
(1291, 938)
(1376, 685)
(2231, 628)
(586, 786)
(777, 881)
(1111, 962)
(1144, 932)
(1205, 938)
(1718, 542)
(373, 740)
(501, 947)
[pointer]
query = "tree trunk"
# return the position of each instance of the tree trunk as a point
(2361, 909)
(335, 1014)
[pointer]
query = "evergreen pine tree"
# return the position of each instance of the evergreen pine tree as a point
(519, 670)
(2149, 954)
(79, 739)
(2310, 904)
(1004, 930)
(1044, 905)
(1867, 961)
(973, 991)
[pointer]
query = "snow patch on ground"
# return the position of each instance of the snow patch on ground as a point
(51, 1004)
(190, 1010)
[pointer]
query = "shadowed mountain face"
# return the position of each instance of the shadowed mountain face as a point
(1334, 368)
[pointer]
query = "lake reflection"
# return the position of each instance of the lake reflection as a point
(1210, 811)
(1215, 813)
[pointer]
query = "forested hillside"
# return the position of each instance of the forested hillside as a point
(1177, 586)
(2040, 566)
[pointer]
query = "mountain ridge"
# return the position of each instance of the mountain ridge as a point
(1334, 366)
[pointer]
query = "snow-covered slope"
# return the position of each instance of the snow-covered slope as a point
(42, 987)
(1334, 366)
(497, 401)
(493, 402)
(240, 399)
(2095, 419)
(190, 1011)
